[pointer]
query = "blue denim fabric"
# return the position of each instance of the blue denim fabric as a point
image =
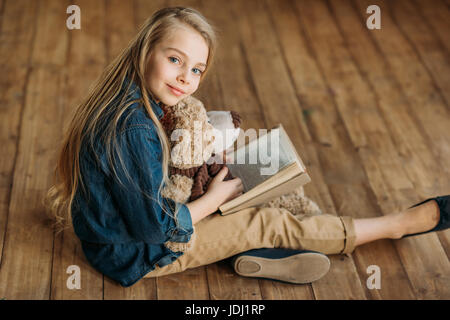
(123, 231)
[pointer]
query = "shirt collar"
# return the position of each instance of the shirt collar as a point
(135, 93)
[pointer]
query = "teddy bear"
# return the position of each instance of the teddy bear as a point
(195, 147)
(198, 140)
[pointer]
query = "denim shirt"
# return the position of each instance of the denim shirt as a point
(122, 231)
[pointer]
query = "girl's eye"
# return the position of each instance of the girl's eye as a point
(199, 71)
(173, 58)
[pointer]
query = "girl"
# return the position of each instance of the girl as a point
(114, 163)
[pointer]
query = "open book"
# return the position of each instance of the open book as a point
(268, 166)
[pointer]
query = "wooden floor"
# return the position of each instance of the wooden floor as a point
(367, 109)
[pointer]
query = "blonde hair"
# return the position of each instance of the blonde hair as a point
(98, 111)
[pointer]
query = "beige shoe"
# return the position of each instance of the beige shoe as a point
(287, 265)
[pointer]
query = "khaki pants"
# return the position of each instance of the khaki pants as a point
(220, 237)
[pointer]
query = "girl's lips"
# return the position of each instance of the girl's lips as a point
(175, 91)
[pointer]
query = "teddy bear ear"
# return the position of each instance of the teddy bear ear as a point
(224, 129)
(236, 119)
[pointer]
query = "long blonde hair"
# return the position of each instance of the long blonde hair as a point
(96, 110)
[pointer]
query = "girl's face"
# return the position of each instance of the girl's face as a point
(177, 63)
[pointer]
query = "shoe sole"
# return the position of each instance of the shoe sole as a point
(299, 268)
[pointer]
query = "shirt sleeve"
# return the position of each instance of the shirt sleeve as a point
(148, 216)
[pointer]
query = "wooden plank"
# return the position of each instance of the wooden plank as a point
(372, 69)
(121, 26)
(2, 10)
(428, 109)
(275, 90)
(16, 37)
(144, 9)
(191, 284)
(412, 141)
(225, 284)
(424, 102)
(436, 15)
(361, 129)
(430, 112)
(85, 61)
(27, 264)
(433, 55)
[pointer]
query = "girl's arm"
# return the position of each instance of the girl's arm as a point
(218, 192)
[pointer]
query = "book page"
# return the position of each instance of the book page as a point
(264, 197)
(262, 157)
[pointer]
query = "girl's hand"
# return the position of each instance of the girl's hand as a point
(218, 192)
(223, 191)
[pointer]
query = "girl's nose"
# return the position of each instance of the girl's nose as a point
(183, 77)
